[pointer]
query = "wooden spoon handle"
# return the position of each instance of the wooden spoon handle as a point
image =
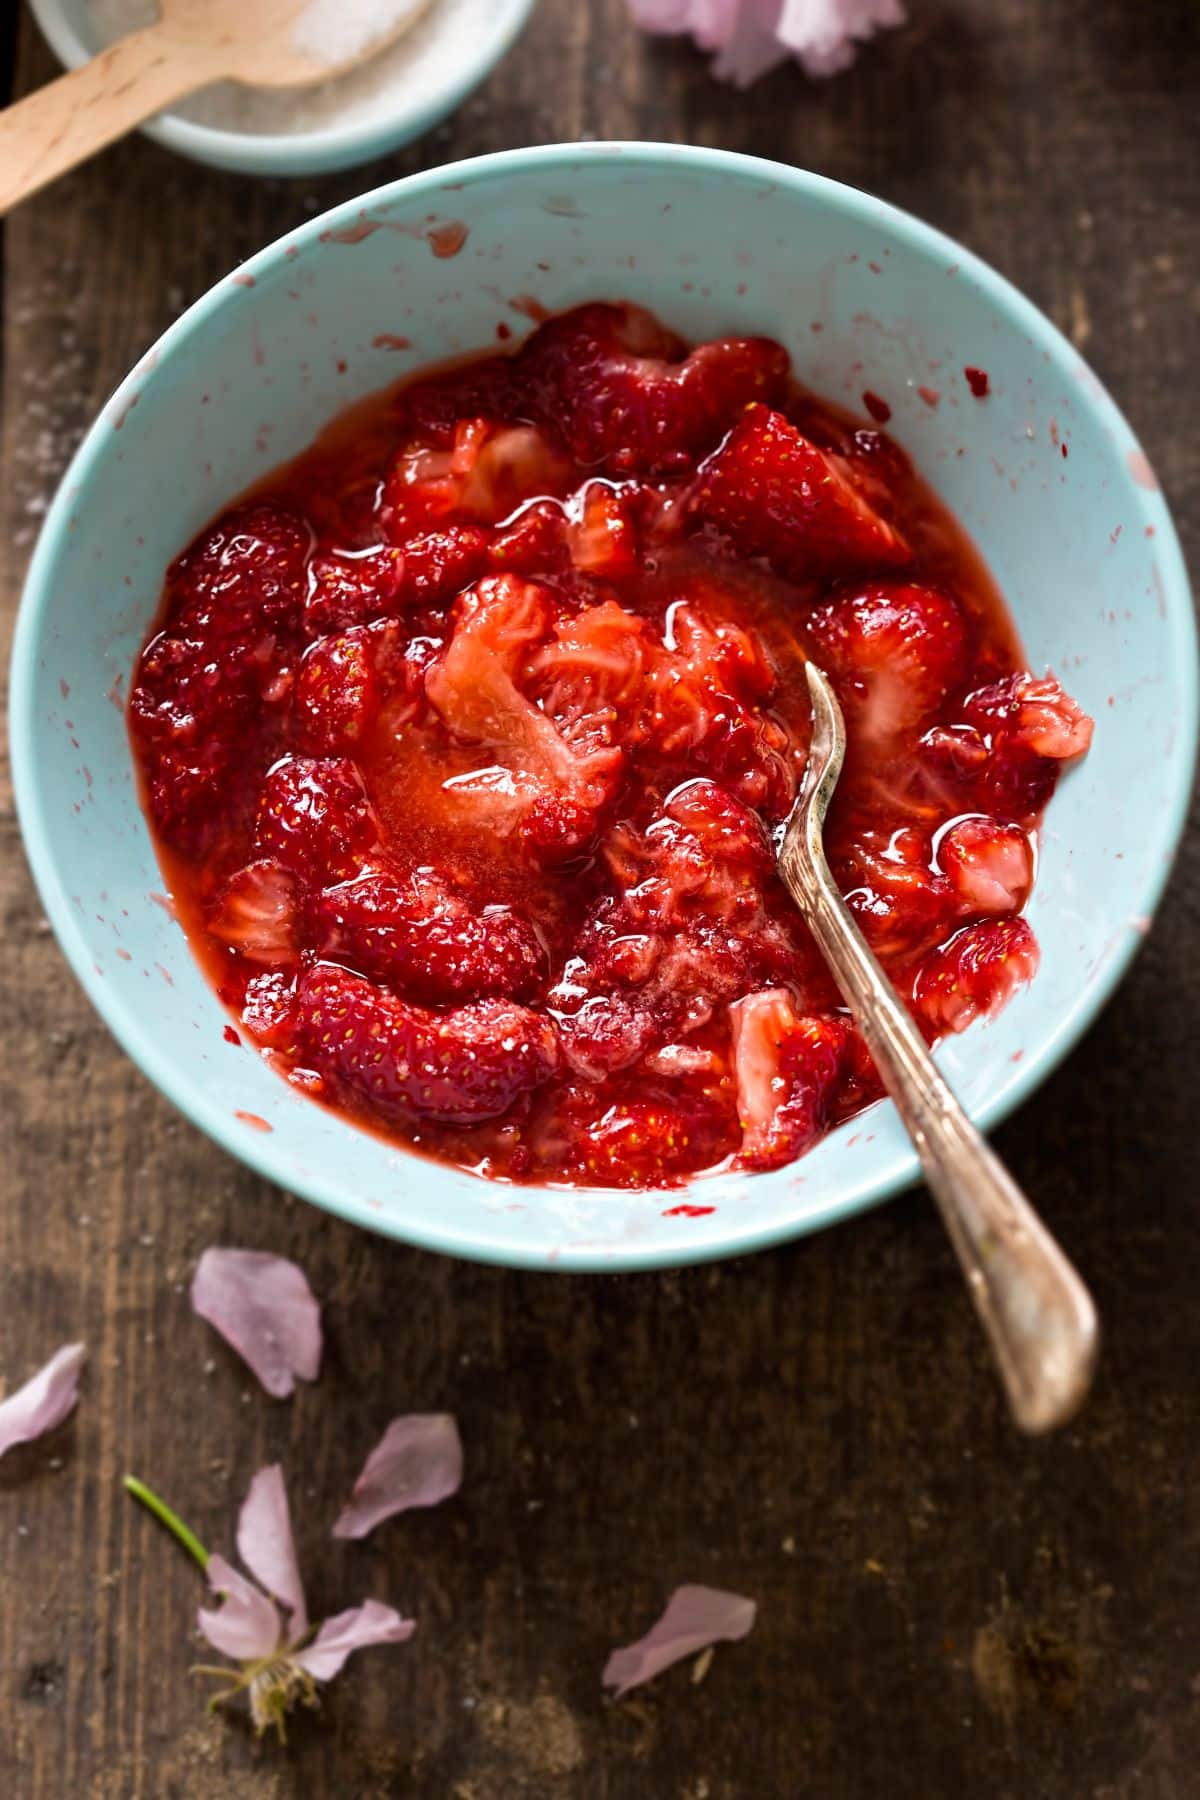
(68, 120)
(1036, 1311)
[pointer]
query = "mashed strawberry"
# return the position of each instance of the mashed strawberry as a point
(464, 741)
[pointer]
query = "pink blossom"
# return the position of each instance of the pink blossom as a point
(695, 1618)
(44, 1401)
(751, 36)
(417, 1462)
(265, 1627)
(263, 1306)
(354, 1629)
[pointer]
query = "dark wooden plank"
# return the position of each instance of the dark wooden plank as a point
(944, 1609)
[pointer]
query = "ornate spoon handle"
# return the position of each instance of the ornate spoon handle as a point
(1035, 1309)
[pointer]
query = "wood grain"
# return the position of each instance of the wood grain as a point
(944, 1609)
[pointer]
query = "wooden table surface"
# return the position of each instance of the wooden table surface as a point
(944, 1609)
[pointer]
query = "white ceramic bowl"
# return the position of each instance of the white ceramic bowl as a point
(415, 109)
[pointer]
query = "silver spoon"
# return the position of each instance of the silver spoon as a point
(1036, 1311)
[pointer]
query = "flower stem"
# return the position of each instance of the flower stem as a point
(165, 1516)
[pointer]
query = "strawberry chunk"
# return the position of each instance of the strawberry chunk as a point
(777, 496)
(532, 543)
(787, 1068)
(903, 905)
(703, 710)
(651, 1140)
(510, 467)
(592, 664)
(255, 913)
(664, 869)
(188, 687)
(635, 1133)
(1034, 712)
(487, 472)
(408, 1063)
(269, 1008)
(348, 590)
(958, 752)
(437, 565)
(861, 1084)
(602, 536)
(556, 830)
(607, 1033)
(474, 688)
(185, 787)
(989, 866)
(893, 652)
(431, 409)
(707, 851)
(336, 696)
(189, 698)
(315, 818)
(685, 932)
(730, 833)
(711, 962)
(615, 384)
(432, 568)
(249, 570)
(975, 974)
(420, 936)
(234, 601)
(1031, 727)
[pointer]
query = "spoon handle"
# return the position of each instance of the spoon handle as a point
(1034, 1308)
(73, 117)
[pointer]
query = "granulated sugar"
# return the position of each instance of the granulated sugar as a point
(420, 61)
(340, 31)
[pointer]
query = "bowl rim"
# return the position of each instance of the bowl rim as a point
(277, 153)
(722, 1238)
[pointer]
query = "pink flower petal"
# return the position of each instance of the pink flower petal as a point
(695, 1618)
(417, 1462)
(751, 36)
(825, 34)
(266, 1546)
(370, 1623)
(247, 1626)
(749, 45)
(264, 1307)
(44, 1401)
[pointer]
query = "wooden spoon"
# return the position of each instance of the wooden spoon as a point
(1036, 1311)
(195, 42)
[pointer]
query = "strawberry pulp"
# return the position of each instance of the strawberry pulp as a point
(465, 741)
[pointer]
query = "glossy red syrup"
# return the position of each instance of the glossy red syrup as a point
(464, 740)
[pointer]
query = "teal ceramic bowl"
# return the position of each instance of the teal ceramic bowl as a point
(1045, 473)
(432, 89)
